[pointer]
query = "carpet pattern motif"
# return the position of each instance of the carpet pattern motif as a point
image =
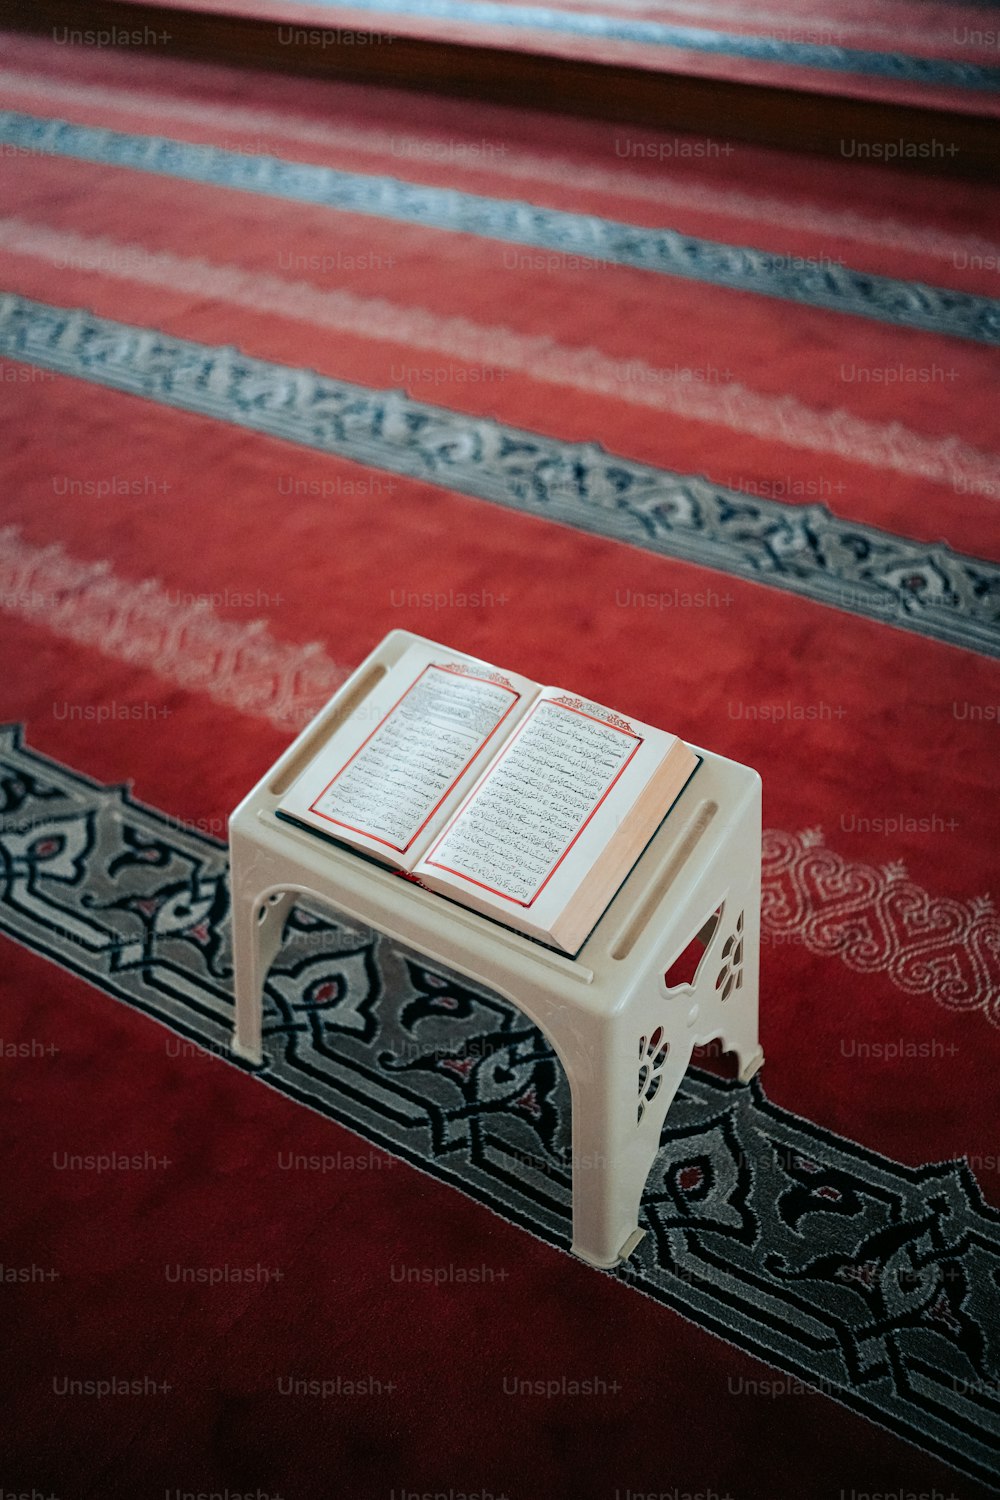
(838, 288)
(806, 549)
(879, 921)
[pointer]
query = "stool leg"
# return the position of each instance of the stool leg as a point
(613, 1148)
(249, 972)
(734, 1004)
(605, 1200)
(258, 925)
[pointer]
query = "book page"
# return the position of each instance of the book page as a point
(533, 804)
(396, 780)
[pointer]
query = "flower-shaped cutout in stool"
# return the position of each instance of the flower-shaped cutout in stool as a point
(652, 1056)
(731, 973)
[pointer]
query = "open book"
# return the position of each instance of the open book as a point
(523, 802)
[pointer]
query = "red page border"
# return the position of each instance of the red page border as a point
(515, 900)
(437, 667)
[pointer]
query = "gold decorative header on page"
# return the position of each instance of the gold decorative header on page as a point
(595, 710)
(471, 669)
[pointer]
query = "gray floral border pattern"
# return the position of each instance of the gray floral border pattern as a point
(928, 589)
(871, 1282)
(835, 288)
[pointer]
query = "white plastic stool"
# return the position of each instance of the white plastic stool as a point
(623, 1038)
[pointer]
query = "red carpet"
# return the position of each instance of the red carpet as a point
(162, 497)
(903, 52)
